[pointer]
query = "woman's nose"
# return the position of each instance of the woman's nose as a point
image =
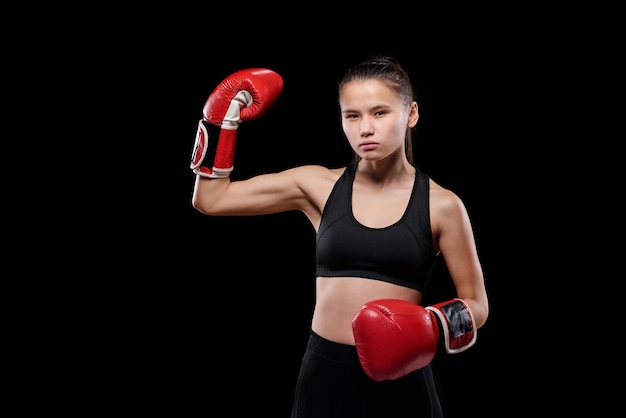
(366, 128)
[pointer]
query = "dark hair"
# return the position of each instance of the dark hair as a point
(389, 71)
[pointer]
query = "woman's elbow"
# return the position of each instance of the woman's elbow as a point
(480, 312)
(206, 194)
(201, 204)
(196, 203)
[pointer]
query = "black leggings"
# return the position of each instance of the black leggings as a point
(332, 384)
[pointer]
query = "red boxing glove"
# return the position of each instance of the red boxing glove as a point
(244, 95)
(395, 337)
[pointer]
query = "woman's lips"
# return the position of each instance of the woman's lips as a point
(368, 145)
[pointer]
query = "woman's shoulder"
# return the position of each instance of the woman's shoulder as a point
(316, 180)
(316, 183)
(443, 200)
(316, 172)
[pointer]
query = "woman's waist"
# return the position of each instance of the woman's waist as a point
(339, 299)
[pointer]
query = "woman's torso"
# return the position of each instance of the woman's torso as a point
(375, 224)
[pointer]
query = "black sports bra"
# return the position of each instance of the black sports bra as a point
(401, 253)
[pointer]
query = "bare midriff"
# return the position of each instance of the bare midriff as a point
(339, 299)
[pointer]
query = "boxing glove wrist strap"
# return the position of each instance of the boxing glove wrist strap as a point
(213, 158)
(456, 323)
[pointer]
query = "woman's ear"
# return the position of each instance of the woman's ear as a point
(413, 114)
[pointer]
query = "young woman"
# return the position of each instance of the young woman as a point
(380, 225)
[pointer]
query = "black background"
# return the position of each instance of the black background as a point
(132, 302)
(235, 310)
(215, 312)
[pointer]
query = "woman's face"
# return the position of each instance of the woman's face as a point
(374, 119)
